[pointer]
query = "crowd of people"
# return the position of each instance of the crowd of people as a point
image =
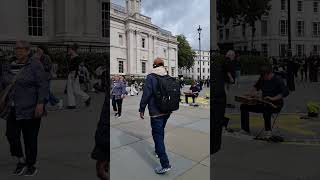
(25, 92)
(305, 67)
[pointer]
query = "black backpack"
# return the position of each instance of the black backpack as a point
(167, 94)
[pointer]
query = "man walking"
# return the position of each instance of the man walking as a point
(73, 87)
(159, 111)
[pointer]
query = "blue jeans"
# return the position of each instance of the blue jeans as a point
(158, 125)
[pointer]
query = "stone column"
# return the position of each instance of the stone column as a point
(214, 23)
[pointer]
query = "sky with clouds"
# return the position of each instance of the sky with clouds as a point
(180, 17)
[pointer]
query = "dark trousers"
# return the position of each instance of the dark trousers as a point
(158, 125)
(302, 74)
(30, 130)
(267, 112)
(117, 105)
(193, 98)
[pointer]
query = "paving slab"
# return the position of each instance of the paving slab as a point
(140, 129)
(202, 126)
(137, 161)
(206, 162)
(119, 138)
(259, 160)
(196, 172)
(188, 143)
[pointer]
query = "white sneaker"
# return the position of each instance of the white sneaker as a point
(243, 132)
(267, 134)
(119, 117)
(60, 104)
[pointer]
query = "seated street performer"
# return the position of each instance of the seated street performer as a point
(274, 91)
(194, 92)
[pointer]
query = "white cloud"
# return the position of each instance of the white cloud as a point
(180, 17)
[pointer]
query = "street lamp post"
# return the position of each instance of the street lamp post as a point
(199, 31)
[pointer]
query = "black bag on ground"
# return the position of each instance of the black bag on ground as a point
(168, 93)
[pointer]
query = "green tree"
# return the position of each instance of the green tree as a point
(252, 11)
(228, 9)
(185, 53)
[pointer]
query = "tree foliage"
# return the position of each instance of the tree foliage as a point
(243, 11)
(185, 53)
(252, 11)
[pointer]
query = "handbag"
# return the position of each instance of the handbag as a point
(5, 107)
(4, 102)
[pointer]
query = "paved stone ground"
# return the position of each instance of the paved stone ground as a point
(65, 142)
(67, 138)
(187, 143)
(243, 158)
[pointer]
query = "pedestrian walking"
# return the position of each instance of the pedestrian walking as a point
(133, 90)
(291, 75)
(237, 67)
(29, 89)
(73, 86)
(118, 93)
(43, 55)
(162, 95)
(229, 76)
(84, 77)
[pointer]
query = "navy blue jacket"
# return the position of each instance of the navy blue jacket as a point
(31, 88)
(148, 97)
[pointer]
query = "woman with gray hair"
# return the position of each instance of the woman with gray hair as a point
(28, 93)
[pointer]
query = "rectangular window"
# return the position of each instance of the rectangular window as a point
(198, 62)
(120, 39)
(244, 30)
(283, 50)
(316, 49)
(105, 19)
(300, 28)
(300, 6)
(221, 34)
(121, 67)
(172, 71)
(283, 5)
(208, 70)
(316, 28)
(203, 63)
(143, 67)
(203, 70)
(300, 50)
(198, 70)
(264, 28)
(283, 27)
(315, 6)
(143, 42)
(35, 17)
(227, 34)
(192, 70)
(264, 49)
